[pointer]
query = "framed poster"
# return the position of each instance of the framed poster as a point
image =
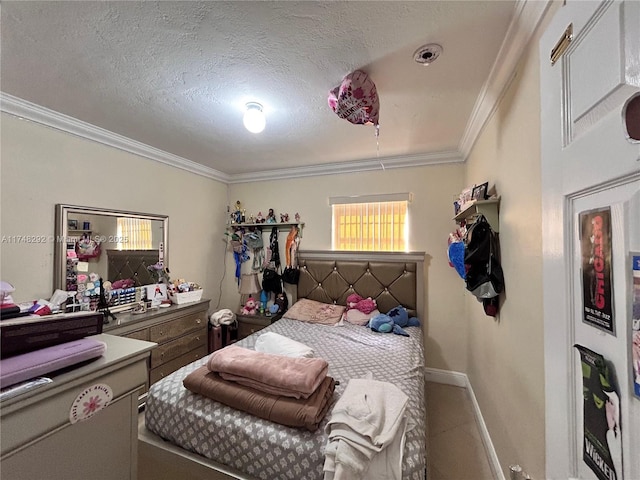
(635, 320)
(602, 437)
(597, 275)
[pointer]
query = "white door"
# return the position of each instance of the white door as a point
(588, 164)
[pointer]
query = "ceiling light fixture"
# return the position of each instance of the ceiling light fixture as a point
(254, 119)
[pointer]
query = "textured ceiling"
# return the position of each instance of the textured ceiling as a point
(176, 75)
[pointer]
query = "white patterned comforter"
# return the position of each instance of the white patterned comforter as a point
(266, 450)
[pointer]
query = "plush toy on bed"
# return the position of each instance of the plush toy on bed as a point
(250, 307)
(393, 321)
(364, 305)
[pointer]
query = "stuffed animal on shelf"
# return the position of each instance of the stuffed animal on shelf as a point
(250, 307)
(365, 305)
(393, 321)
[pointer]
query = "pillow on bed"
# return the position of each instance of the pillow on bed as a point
(312, 311)
(359, 318)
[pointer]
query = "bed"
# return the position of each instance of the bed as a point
(188, 436)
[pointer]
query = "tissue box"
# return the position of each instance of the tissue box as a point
(185, 297)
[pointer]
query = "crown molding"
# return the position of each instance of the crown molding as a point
(526, 18)
(35, 113)
(383, 163)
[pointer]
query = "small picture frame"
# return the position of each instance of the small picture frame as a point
(157, 292)
(72, 224)
(480, 191)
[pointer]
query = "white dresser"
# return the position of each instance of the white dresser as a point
(42, 438)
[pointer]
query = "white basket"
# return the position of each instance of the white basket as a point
(186, 297)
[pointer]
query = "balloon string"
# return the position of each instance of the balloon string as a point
(378, 145)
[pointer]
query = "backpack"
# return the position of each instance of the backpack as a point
(271, 281)
(484, 277)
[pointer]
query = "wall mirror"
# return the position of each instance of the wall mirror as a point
(114, 245)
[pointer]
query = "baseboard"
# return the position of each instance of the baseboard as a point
(458, 379)
(446, 377)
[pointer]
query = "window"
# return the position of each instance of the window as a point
(134, 234)
(371, 223)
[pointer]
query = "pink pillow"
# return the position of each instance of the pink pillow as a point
(358, 318)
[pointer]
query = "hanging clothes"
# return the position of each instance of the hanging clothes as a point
(254, 242)
(291, 247)
(275, 248)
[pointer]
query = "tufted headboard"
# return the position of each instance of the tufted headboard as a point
(389, 278)
(123, 264)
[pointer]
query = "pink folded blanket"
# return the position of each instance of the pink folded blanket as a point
(295, 377)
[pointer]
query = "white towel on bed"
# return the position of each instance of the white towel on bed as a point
(274, 343)
(366, 432)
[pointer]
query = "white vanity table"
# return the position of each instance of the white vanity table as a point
(39, 439)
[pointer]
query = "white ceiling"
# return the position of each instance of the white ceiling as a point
(173, 77)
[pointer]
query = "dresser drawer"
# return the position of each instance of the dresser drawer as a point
(165, 369)
(246, 329)
(176, 328)
(173, 349)
(138, 334)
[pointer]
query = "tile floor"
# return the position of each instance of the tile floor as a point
(454, 443)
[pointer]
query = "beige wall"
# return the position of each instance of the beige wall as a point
(42, 167)
(506, 354)
(431, 214)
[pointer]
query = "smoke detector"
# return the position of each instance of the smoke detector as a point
(427, 54)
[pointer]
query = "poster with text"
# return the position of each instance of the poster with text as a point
(597, 275)
(635, 321)
(602, 439)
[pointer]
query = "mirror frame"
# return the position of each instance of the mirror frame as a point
(61, 232)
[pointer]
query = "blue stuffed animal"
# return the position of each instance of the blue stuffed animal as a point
(393, 321)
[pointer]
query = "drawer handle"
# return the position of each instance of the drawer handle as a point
(161, 333)
(197, 339)
(198, 321)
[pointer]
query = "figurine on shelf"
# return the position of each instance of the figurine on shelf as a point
(297, 217)
(271, 218)
(259, 218)
(237, 216)
(284, 218)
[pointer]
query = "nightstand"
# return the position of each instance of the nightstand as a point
(248, 324)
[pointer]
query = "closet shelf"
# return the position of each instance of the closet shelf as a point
(488, 208)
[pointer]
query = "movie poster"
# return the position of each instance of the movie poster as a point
(635, 321)
(597, 277)
(602, 442)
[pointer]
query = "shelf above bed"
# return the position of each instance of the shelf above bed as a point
(265, 225)
(488, 208)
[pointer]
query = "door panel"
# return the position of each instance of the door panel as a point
(623, 201)
(599, 54)
(587, 163)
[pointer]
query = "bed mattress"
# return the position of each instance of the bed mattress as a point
(266, 450)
